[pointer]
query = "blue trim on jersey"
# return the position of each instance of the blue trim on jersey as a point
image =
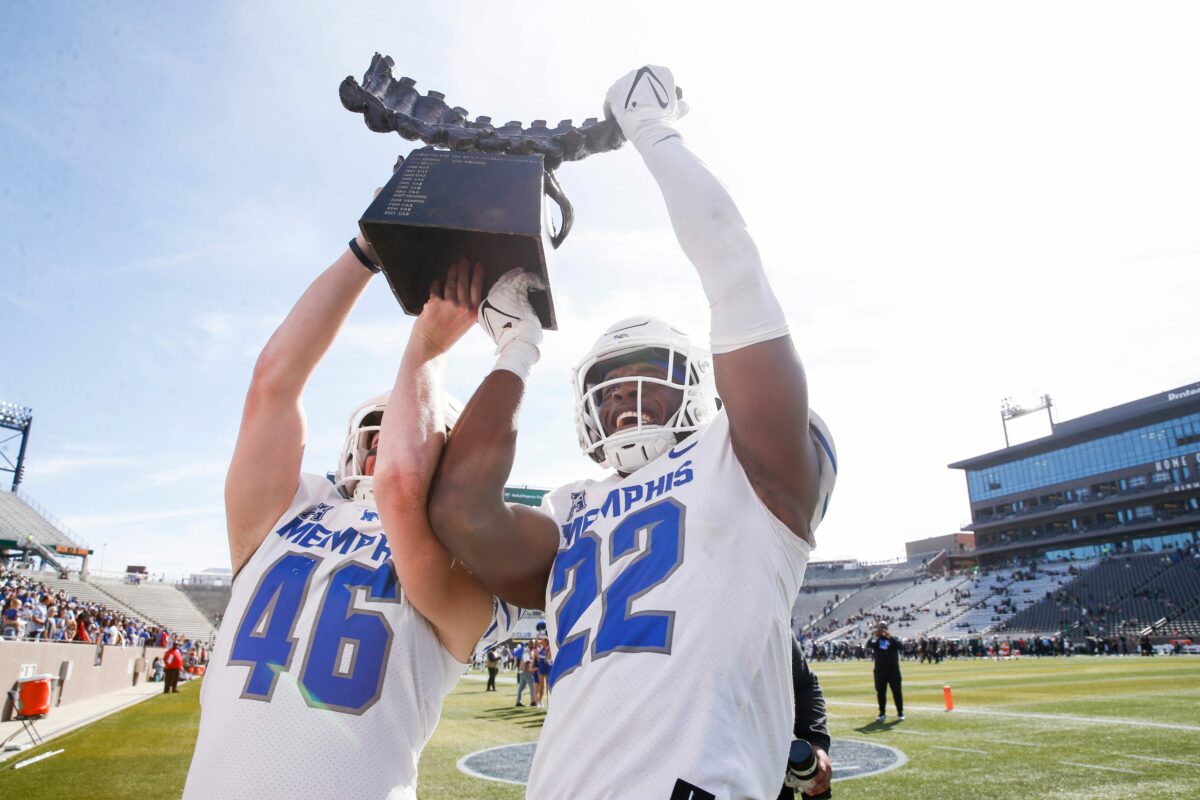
(825, 444)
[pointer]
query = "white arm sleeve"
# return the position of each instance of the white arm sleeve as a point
(714, 238)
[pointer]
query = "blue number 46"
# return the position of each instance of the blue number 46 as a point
(619, 630)
(348, 648)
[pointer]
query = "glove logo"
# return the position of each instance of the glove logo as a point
(655, 86)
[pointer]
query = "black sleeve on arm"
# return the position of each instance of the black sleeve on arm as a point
(811, 723)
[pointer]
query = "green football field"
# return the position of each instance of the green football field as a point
(1052, 728)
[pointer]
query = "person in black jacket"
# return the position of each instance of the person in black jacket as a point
(812, 724)
(886, 652)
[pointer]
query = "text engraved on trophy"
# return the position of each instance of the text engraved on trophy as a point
(410, 188)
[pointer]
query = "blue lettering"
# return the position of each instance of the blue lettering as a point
(612, 505)
(295, 529)
(381, 548)
(589, 518)
(311, 538)
(632, 494)
(364, 541)
(684, 474)
(655, 488)
(341, 540)
(572, 530)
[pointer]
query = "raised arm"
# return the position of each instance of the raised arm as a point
(759, 376)
(510, 548)
(410, 444)
(265, 470)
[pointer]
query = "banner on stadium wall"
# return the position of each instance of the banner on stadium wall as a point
(524, 495)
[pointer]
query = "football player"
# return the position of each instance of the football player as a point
(668, 585)
(340, 640)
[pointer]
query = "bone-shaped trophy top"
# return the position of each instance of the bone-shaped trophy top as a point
(388, 104)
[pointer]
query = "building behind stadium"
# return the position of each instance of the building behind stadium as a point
(1122, 480)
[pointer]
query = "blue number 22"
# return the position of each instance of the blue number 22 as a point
(348, 650)
(619, 630)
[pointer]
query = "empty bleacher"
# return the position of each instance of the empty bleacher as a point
(211, 600)
(161, 603)
(21, 517)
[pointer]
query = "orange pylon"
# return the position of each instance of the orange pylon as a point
(949, 697)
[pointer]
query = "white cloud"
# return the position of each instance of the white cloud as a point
(57, 466)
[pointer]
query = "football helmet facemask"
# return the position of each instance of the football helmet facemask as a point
(367, 419)
(688, 369)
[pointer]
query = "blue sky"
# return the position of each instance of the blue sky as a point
(955, 204)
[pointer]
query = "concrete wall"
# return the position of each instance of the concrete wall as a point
(115, 671)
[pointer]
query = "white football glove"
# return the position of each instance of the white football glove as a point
(644, 103)
(507, 316)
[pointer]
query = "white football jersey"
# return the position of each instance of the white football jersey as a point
(669, 608)
(325, 681)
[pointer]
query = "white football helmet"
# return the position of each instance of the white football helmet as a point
(349, 479)
(688, 368)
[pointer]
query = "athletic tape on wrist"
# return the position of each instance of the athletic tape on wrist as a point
(518, 357)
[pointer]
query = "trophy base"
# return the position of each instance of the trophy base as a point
(442, 206)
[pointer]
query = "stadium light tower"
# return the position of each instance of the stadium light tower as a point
(15, 418)
(1010, 410)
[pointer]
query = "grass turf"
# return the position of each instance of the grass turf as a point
(1046, 728)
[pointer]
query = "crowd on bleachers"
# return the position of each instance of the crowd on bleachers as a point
(933, 649)
(1096, 601)
(33, 611)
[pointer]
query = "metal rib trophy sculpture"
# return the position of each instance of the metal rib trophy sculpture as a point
(481, 197)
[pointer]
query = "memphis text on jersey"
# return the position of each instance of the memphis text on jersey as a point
(306, 531)
(622, 500)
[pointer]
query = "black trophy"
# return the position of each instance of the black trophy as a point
(476, 191)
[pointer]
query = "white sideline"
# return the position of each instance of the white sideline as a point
(1162, 760)
(1135, 723)
(1097, 766)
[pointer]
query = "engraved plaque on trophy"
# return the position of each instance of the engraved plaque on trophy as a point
(443, 205)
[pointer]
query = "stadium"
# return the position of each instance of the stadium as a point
(1028, 624)
(747, 407)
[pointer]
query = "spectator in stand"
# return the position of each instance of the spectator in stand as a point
(493, 667)
(12, 620)
(172, 664)
(38, 616)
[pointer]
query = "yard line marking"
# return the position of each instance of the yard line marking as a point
(958, 749)
(1016, 744)
(35, 759)
(1161, 760)
(1097, 766)
(1027, 715)
(912, 733)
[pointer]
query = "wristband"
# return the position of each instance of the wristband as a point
(371, 266)
(518, 357)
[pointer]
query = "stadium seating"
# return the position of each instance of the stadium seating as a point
(19, 519)
(811, 606)
(211, 600)
(161, 603)
(83, 591)
(915, 610)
